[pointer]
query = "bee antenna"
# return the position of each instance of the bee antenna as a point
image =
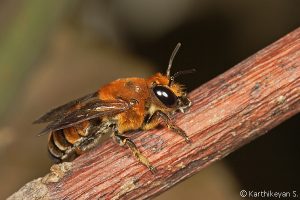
(172, 58)
(172, 78)
(188, 71)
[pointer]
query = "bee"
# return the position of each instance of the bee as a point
(121, 106)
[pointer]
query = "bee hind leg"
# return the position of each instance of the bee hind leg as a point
(123, 140)
(89, 143)
(83, 145)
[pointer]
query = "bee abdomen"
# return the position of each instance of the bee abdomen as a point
(65, 144)
(60, 142)
(71, 135)
(55, 153)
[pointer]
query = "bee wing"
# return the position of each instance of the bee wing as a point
(91, 110)
(61, 111)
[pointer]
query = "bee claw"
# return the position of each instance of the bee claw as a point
(188, 140)
(152, 169)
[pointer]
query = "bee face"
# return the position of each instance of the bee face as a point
(167, 95)
(184, 103)
(171, 99)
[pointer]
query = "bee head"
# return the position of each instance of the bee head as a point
(168, 93)
(171, 97)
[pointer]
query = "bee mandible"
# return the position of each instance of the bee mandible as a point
(123, 105)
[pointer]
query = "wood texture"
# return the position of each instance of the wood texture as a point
(228, 112)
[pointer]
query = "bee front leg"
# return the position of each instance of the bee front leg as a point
(122, 141)
(161, 115)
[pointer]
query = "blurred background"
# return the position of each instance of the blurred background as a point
(55, 51)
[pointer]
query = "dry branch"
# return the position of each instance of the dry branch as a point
(228, 112)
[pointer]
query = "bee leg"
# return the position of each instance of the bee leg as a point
(69, 155)
(83, 145)
(159, 114)
(89, 143)
(122, 141)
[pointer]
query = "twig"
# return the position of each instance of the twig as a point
(228, 112)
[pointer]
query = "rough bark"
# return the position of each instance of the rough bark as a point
(229, 111)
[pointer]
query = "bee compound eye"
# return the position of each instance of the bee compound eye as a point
(165, 95)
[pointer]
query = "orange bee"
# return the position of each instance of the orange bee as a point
(123, 105)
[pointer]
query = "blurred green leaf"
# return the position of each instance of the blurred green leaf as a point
(22, 42)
